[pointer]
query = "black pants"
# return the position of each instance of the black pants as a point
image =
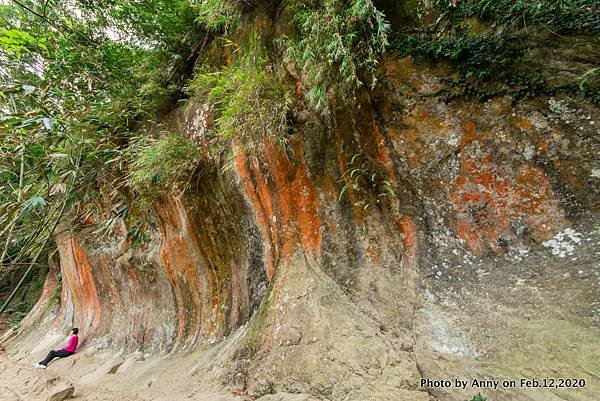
(55, 354)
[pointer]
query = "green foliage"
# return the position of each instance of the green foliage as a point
(217, 15)
(269, 387)
(136, 232)
(163, 24)
(484, 63)
(118, 213)
(338, 47)
(15, 41)
(478, 397)
(167, 162)
(27, 299)
(561, 16)
(489, 43)
(248, 100)
(121, 219)
(589, 84)
(73, 89)
(38, 164)
(363, 178)
(481, 57)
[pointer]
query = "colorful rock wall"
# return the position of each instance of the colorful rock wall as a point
(292, 247)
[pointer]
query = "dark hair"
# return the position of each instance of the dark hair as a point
(75, 330)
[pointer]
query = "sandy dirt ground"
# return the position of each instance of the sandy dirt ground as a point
(105, 377)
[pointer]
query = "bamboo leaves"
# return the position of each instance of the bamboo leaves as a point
(338, 48)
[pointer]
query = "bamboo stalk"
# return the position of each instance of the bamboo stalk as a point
(45, 244)
(19, 196)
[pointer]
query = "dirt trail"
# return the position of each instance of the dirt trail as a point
(99, 375)
(157, 380)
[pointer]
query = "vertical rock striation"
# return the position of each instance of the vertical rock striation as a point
(326, 287)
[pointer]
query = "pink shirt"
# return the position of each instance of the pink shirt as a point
(72, 345)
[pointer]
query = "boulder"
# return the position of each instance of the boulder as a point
(62, 392)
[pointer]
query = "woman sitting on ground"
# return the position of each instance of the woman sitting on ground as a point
(61, 353)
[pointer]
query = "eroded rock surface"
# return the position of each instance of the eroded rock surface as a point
(263, 279)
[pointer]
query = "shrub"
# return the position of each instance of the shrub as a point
(338, 47)
(167, 162)
(488, 41)
(559, 15)
(217, 15)
(478, 56)
(249, 101)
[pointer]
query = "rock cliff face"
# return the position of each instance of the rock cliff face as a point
(316, 279)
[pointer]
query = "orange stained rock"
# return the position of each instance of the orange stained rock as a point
(298, 204)
(79, 282)
(409, 230)
(373, 254)
(523, 123)
(405, 70)
(542, 210)
(258, 195)
(470, 133)
(545, 144)
(179, 262)
(424, 121)
(383, 157)
(488, 202)
(399, 68)
(383, 153)
(285, 202)
(413, 161)
(394, 134)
